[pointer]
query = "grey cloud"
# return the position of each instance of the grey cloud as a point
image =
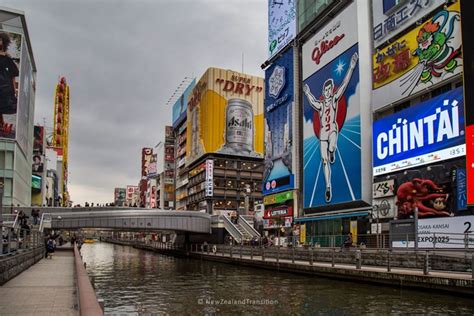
(123, 60)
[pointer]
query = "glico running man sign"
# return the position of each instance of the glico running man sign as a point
(331, 100)
(429, 132)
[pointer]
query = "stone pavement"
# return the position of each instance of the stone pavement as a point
(46, 288)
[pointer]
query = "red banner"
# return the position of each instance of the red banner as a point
(278, 212)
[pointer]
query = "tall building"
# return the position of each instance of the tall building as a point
(224, 142)
(179, 99)
(61, 136)
(17, 107)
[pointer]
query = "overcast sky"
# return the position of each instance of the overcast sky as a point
(123, 61)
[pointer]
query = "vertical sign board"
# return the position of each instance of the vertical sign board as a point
(278, 174)
(425, 56)
(281, 24)
(209, 177)
(332, 163)
(467, 10)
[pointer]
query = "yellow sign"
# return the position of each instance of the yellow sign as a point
(302, 233)
(225, 115)
(424, 56)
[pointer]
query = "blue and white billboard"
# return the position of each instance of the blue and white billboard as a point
(332, 163)
(279, 96)
(428, 132)
(181, 105)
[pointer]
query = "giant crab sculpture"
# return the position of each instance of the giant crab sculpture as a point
(417, 194)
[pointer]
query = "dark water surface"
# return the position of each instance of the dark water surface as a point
(138, 282)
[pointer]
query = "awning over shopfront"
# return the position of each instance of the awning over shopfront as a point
(332, 216)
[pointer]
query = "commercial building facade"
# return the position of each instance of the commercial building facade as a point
(18, 106)
(368, 61)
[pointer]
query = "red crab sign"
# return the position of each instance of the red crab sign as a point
(423, 194)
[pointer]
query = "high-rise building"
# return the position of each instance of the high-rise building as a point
(17, 107)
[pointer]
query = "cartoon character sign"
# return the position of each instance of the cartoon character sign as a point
(423, 57)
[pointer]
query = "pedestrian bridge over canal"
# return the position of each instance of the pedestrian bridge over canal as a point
(132, 219)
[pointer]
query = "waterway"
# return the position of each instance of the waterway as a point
(138, 282)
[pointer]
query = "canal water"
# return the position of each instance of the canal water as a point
(138, 282)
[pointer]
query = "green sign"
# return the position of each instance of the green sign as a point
(278, 198)
(35, 182)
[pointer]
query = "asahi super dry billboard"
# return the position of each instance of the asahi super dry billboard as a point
(225, 115)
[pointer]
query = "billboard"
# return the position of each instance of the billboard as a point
(429, 132)
(132, 191)
(38, 165)
(468, 56)
(332, 114)
(38, 139)
(225, 115)
(147, 153)
(152, 166)
(446, 232)
(181, 105)
(425, 56)
(9, 72)
(25, 99)
(119, 196)
(391, 17)
(279, 95)
(281, 25)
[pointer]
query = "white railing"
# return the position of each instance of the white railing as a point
(46, 221)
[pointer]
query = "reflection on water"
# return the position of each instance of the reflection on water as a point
(133, 281)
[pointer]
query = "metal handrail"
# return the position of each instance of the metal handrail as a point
(10, 223)
(232, 230)
(248, 228)
(45, 218)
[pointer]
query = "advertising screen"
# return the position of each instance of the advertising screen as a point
(331, 105)
(425, 56)
(181, 105)
(278, 175)
(393, 16)
(281, 24)
(429, 132)
(225, 115)
(9, 82)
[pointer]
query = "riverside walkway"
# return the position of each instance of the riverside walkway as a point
(46, 288)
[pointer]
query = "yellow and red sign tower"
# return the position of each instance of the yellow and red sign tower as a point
(61, 133)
